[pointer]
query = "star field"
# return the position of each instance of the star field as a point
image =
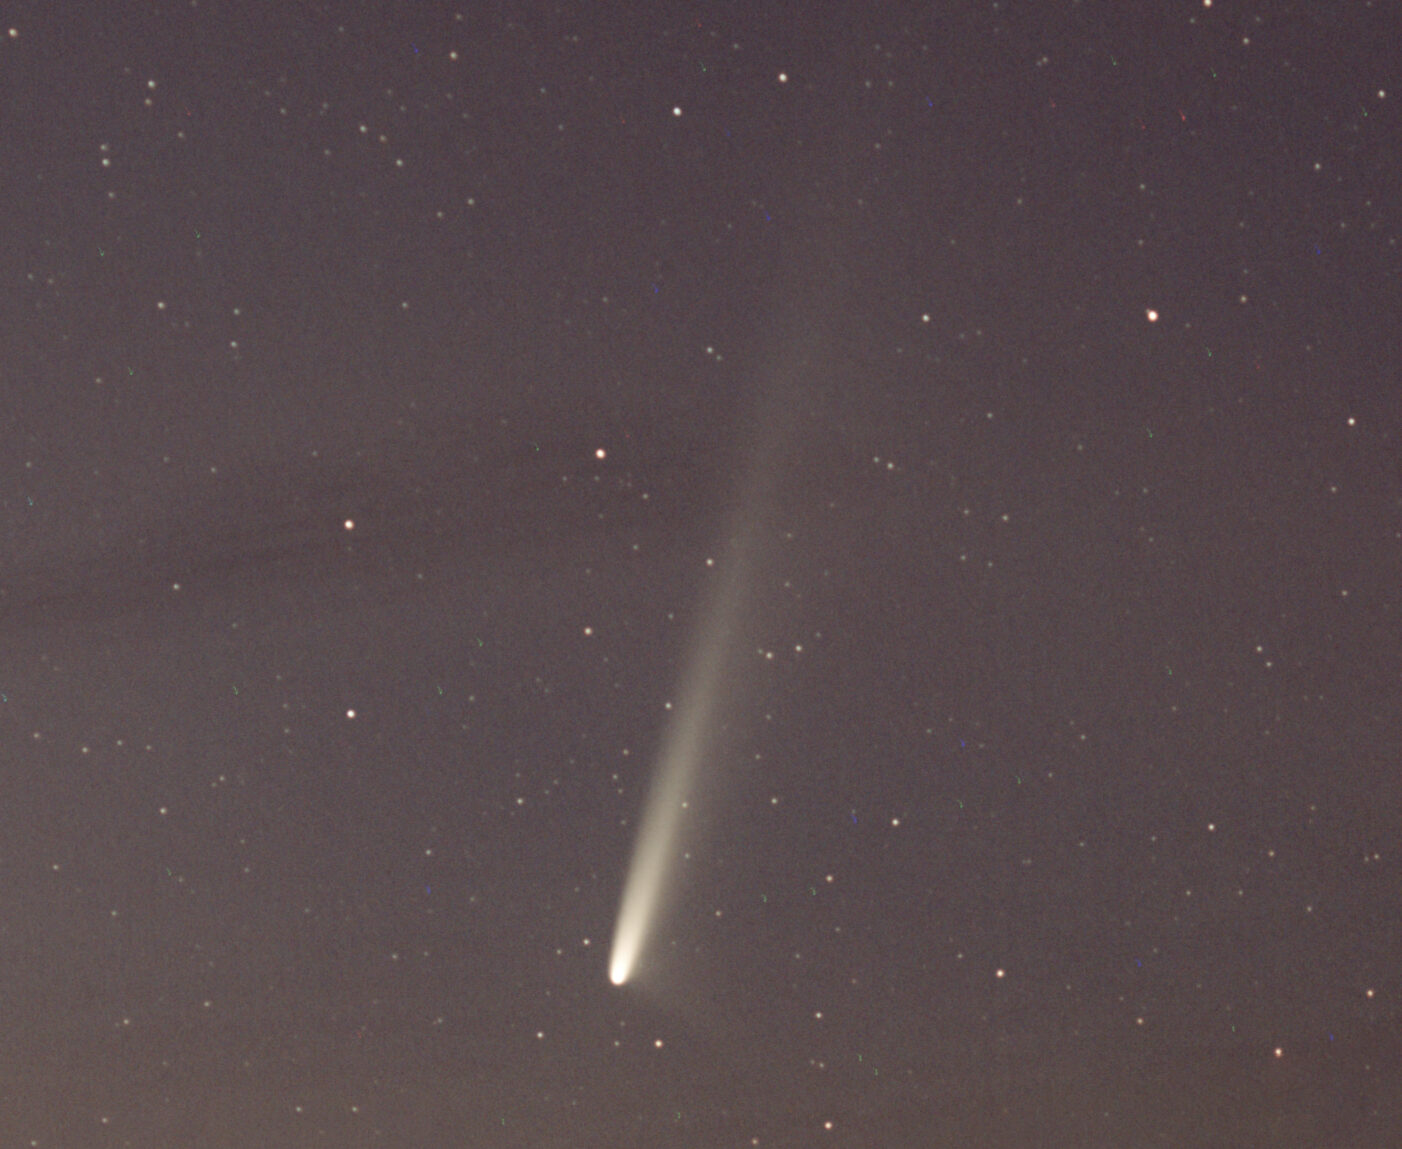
(389, 390)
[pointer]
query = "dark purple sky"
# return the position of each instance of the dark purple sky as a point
(376, 382)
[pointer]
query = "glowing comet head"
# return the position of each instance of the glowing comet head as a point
(639, 906)
(620, 965)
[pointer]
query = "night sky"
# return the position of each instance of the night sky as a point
(967, 434)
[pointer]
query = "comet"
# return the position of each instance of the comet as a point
(685, 768)
(684, 748)
(707, 692)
